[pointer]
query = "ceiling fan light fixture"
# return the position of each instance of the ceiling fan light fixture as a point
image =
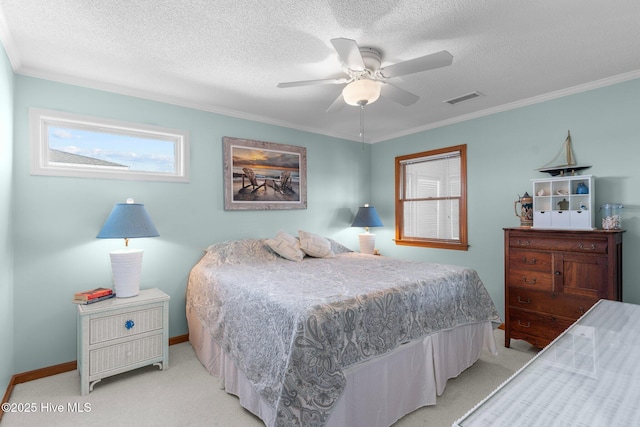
(361, 92)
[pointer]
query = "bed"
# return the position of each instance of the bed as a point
(338, 338)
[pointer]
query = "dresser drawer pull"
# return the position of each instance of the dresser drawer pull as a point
(592, 248)
(523, 242)
(530, 262)
(528, 325)
(528, 282)
(528, 301)
(129, 324)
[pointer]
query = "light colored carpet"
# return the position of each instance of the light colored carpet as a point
(185, 395)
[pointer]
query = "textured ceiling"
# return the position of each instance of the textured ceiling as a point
(227, 56)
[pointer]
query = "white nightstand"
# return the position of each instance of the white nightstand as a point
(121, 334)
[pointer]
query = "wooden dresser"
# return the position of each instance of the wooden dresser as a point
(552, 277)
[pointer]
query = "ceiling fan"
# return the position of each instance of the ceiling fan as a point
(366, 80)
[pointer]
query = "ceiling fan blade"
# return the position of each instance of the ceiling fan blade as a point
(314, 82)
(336, 105)
(416, 65)
(349, 53)
(398, 95)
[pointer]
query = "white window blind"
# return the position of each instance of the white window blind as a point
(432, 197)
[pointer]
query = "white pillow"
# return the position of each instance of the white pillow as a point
(314, 245)
(286, 246)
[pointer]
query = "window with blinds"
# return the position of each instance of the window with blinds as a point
(431, 198)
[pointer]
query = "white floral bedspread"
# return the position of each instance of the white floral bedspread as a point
(292, 327)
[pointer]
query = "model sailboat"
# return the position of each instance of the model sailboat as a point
(564, 161)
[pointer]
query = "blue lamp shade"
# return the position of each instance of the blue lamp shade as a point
(367, 216)
(128, 220)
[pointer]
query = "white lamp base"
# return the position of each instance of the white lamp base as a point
(126, 265)
(367, 243)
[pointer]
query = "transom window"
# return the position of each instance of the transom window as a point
(431, 200)
(64, 144)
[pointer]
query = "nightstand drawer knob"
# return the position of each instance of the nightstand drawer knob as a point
(129, 324)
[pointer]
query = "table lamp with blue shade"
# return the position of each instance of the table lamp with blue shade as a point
(127, 221)
(366, 217)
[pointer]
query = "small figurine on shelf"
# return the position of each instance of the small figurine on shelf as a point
(563, 204)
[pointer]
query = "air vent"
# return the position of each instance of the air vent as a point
(463, 98)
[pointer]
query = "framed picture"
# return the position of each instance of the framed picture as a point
(261, 175)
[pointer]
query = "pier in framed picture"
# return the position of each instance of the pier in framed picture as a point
(264, 175)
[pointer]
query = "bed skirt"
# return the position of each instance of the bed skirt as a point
(372, 397)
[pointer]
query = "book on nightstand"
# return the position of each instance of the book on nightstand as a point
(94, 295)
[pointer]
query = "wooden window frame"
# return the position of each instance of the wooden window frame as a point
(458, 244)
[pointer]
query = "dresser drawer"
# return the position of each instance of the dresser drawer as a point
(587, 244)
(550, 303)
(530, 260)
(112, 327)
(531, 279)
(127, 353)
(528, 324)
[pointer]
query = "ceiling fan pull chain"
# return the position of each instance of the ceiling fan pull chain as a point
(362, 124)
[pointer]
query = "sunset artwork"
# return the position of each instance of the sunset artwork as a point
(264, 175)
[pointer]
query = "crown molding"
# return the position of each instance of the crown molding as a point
(151, 96)
(620, 78)
(282, 123)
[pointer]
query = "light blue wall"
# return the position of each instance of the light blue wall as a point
(503, 152)
(6, 245)
(55, 252)
(57, 218)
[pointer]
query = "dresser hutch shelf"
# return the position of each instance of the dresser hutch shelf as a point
(564, 202)
(552, 277)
